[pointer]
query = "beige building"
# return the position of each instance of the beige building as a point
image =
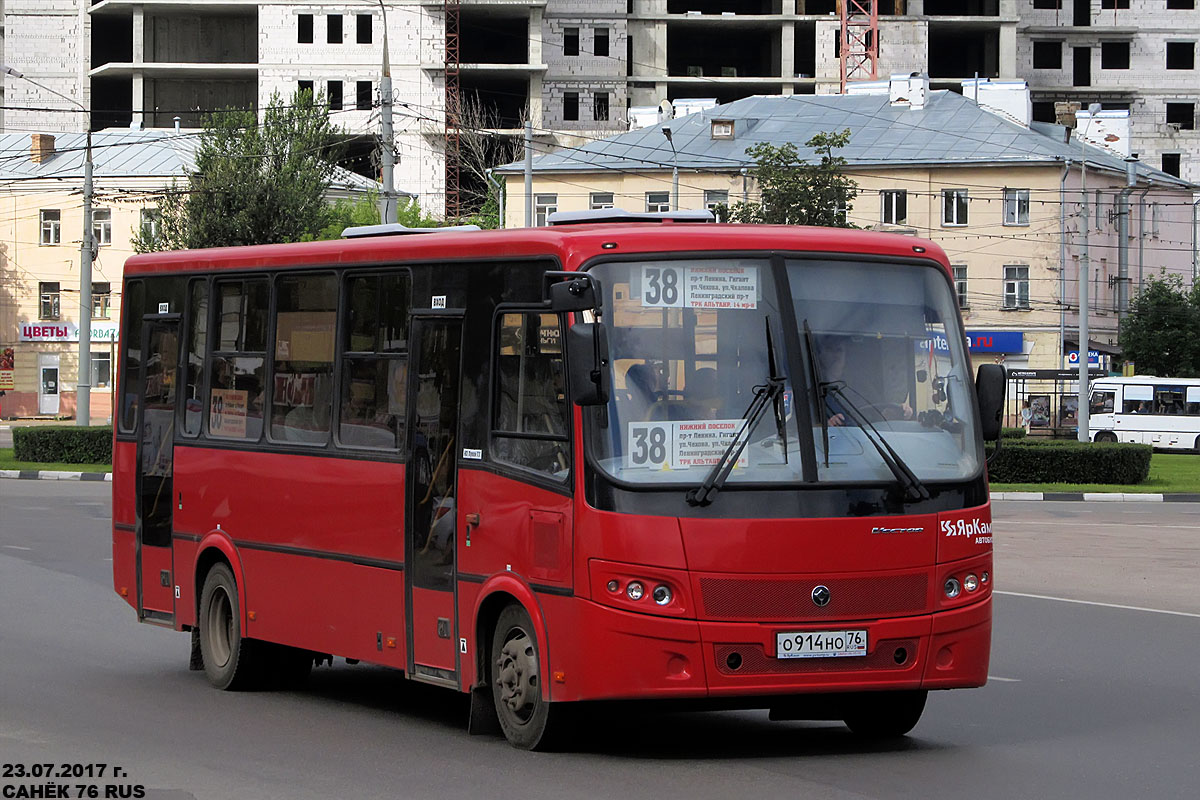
(41, 233)
(1000, 193)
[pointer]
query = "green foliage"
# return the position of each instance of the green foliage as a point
(1063, 461)
(795, 191)
(253, 183)
(64, 445)
(1160, 333)
(345, 213)
(1013, 433)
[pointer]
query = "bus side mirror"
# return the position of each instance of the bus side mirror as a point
(990, 384)
(587, 363)
(578, 292)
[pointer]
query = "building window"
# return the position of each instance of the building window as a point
(102, 226)
(1182, 115)
(304, 28)
(715, 198)
(1016, 287)
(49, 307)
(1047, 55)
(101, 300)
(954, 206)
(960, 284)
(1114, 55)
(51, 226)
(1181, 55)
(101, 369)
(148, 222)
(333, 29)
(601, 44)
(1048, 4)
(1114, 3)
(570, 106)
(1016, 206)
(304, 86)
(894, 206)
(334, 93)
(543, 206)
(364, 28)
(570, 41)
(658, 201)
(363, 95)
(1170, 163)
(600, 107)
(1180, 5)
(600, 200)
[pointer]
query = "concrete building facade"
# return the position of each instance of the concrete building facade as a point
(577, 68)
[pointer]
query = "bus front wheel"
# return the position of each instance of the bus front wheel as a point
(229, 658)
(516, 674)
(885, 715)
(1106, 436)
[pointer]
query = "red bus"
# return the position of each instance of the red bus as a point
(732, 466)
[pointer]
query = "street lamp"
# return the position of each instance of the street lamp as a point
(674, 170)
(1084, 278)
(83, 386)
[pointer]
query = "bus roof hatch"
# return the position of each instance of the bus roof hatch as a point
(599, 215)
(396, 229)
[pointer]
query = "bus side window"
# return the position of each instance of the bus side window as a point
(131, 364)
(374, 362)
(196, 347)
(1168, 400)
(1102, 402)
(302, 365)
(237, 377)
(529, 426)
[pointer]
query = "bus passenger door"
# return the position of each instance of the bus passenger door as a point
(431, 498)
(156, 468)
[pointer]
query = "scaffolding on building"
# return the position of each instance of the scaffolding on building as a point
(453, 109)
(859, 41)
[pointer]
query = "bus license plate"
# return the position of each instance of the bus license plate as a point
(820, 644)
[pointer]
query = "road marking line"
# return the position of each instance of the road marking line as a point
(1003, 680)
(17, 547)
(1103, 605)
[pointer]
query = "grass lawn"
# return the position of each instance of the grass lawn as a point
(7, 461)
(1169, 472)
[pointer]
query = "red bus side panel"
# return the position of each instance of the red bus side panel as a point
(321, 541)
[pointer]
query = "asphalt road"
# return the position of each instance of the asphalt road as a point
(1088, 699)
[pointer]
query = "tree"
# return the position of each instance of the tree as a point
(253, 183)
(795, 191)
(481, 146)
(346, 213)
(1160, 332)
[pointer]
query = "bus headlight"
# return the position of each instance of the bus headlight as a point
(662, 595)
(953, 588)
(635, 590)
(970, 583)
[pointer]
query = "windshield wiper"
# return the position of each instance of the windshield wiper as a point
(814, 373)
(764, 397)
(777, 401)
(908, 479)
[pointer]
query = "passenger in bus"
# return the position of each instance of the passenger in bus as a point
(643, 383)
(703, 393)
(831, 353)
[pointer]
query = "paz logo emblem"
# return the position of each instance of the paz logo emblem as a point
(821, 596)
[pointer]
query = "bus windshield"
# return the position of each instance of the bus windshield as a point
(690, 350)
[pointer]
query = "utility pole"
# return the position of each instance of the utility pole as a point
(83, 383)
(1085, 277)
(1123, 237)
(674, 169)
(529, 173)
(387, 199)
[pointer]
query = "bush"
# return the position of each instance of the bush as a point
(1065, 461)
(1013, 433)
(64, 445)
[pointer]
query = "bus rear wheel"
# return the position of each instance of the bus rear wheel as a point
(885, 715)
(230, 660)
(525, 716)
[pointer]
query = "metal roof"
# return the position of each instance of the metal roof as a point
(123, 153)
(951, 130)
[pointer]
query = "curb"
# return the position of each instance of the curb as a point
(1102, 497)
(48, 475)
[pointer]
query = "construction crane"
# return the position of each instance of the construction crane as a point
(859, 40)
(453, 109)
